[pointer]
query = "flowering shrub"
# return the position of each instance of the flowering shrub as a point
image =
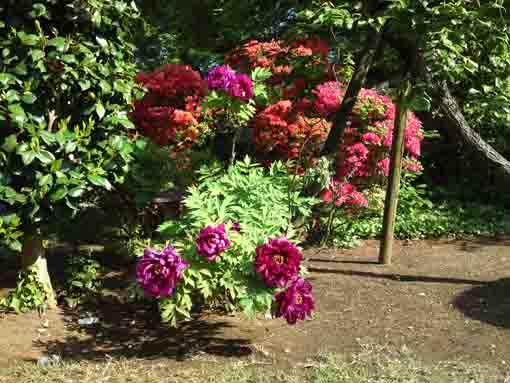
(339, 196)
(237, 218)
(287, 132)
(342, 193)
(169, 113)
(367, 141)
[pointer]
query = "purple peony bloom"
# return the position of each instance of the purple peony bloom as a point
(277, 262)
(296, 302)
(242, 87)
(221, 77)
(158, 273)
(211, 241)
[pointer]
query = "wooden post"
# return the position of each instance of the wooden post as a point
(397, 152)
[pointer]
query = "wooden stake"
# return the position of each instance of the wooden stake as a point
(397, 152)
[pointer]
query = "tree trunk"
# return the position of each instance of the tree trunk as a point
(453, 123)
(456, 126)
(33, 257)
(358, 79)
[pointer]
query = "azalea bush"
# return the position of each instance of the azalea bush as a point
(280, 98)
(235, 247)
(169, 113)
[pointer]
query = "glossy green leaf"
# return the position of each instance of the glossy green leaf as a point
(45, 157)
(100, 181)
(100, 110)
(60, 193)
(28, 98)
(58, 42)
(17, 113)
(10, 143)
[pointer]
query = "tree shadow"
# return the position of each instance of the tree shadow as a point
(397, 277)
(135, 331)
(344, 261)
(489, 303)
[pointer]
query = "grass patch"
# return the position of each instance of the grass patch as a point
(374, 364)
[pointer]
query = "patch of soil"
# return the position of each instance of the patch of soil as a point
(445, 300)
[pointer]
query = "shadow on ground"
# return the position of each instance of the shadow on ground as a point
(136, 332)
(395, 276)
(489, 303)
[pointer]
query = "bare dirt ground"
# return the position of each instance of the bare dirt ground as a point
(445, 300)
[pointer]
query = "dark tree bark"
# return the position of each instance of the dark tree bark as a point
(452, 121)
(456, 127)
(363, 65)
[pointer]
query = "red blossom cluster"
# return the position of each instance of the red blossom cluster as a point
(286, 131)
(367, 141)
(291, 63)
(342, 193)
(170, 110)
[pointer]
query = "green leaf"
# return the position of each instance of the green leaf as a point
(99, 181)
(28, 39)
(59, 194)
(45, 157)
(38, 10)
(58, 42)
(102, 42)
(17, 113)
(47, 137)
(46, 180)
(84, 84)
(6, 78)
(69, 59)
(36, 54)
(27, 157)
(70, 147)
(76, 192)
(100, 110)
(28, 98)
(10, 143)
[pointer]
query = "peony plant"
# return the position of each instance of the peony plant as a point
(262, 280)
(237, 241)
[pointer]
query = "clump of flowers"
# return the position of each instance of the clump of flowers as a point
(158, 273)
(343, 193)
(212, 241)
(277, 262)
(367, 140)
(287, 61)
(169, 113)
(224, 78)
(286, 131)
(296, 302)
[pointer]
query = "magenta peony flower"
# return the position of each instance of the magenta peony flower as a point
(296, 302)
(221, 77)
(158, 273)
(277, 262)
(242, 87)
(211, 241)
